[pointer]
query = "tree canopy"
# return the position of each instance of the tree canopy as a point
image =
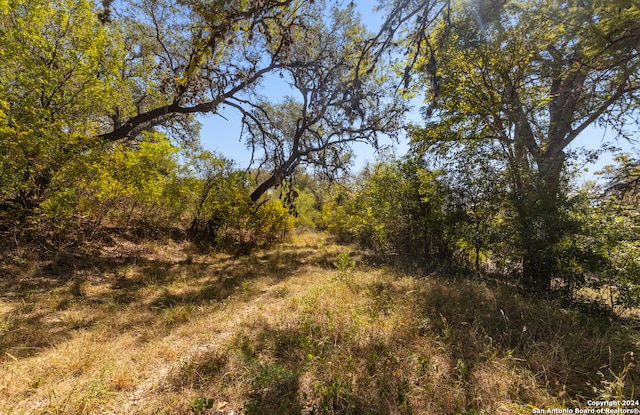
(89, 75)
(99, 106)
(497, 73)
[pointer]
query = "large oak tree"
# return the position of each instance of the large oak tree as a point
(78, 76)
(531, 77)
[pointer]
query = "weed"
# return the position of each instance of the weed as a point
(334, 395)
(345, 267)
(614, 385)
(200, 404)
(275, 391)
(463, 370)
(423, 365)
(36, 383)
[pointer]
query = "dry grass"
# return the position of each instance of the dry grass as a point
(137, 326)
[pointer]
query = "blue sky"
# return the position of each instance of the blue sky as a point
(221, 132)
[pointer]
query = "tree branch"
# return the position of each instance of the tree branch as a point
(174, 108)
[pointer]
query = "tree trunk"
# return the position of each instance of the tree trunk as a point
(536, 271)
(543, 226)
(277, 176)
(264, 186)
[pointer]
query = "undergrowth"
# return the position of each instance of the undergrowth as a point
(307, 327)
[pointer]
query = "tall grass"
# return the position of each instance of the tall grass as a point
(308, 327)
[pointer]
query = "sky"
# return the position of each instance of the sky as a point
(221, 132)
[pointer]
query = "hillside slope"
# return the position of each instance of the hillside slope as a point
(309, 327)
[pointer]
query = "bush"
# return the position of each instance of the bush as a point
(223, 212)
(394, 206)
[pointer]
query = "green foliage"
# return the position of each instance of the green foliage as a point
(601, 248)
(345, 267)
(83, 88)
(623, 180)
(464, 211)
(395, 206)
(309, 194)
(136, 181)
(626, 270)
(55, 83)
(612, 231)
(200, 405)
(502, 80)
(308, 216)
(224, 212)
(345, 216)
(251, 225)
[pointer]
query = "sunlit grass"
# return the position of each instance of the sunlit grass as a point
(305, 327)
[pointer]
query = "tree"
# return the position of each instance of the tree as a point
(217, 54)
(503, 76)
(623, 180)
(476, 198)
(342, 97)
(89, 75)
(396, 206)
(616, 221)
(215, 183)
(55, 85)
(221, 211)
(135, 177)
(196, 56)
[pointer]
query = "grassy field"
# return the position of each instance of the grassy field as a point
(130, 325)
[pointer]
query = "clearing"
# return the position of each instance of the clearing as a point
(131, 325)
